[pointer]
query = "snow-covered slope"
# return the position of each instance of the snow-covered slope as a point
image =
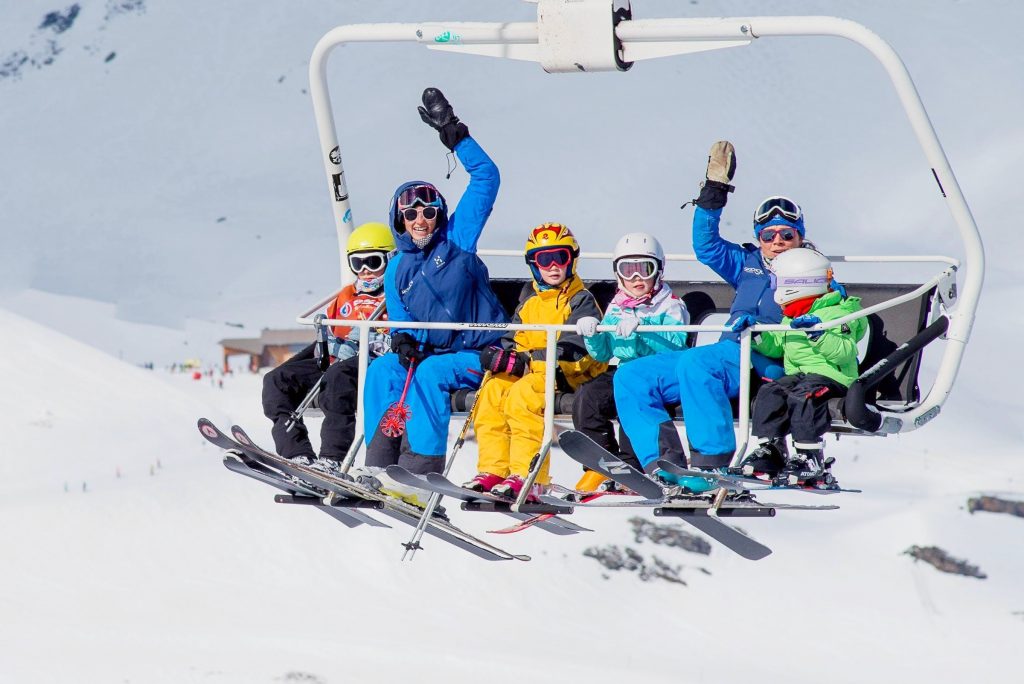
(132, 555)
(137, 557)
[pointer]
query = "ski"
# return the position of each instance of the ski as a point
(584, 450)
(236, 462)
(588, 452)
(585, 498)
(621, 501)
(343, 489)
(544, 519)
(734, 506)
(526, 523)
(728, 536)
(735, 482)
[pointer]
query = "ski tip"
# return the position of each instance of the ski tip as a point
(208, 429)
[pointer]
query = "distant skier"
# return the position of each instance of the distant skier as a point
(704, 379)
(819, 366)
(368, 249)
(642, 298)
(435, 276)
(509, 420)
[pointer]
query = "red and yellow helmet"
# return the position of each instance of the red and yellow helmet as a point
(554, 239)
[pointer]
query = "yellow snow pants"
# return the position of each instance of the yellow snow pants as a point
(509, 425)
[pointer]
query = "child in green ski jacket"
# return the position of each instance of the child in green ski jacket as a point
(819, 365)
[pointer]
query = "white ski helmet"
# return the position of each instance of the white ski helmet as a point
(799, 273)
(639, 245)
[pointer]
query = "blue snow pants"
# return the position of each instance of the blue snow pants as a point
(702, 380)
(428, 398)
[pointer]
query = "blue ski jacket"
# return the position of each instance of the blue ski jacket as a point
(739, 265)
(446, 281)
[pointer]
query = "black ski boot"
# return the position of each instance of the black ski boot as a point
(765, 462)
(809, 468)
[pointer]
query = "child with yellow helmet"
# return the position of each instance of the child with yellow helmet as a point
(368, 249)
(509, 420)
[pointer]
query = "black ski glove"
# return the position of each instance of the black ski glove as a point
(438, 114)
(408, 348)
(498, 360)
(721, 169)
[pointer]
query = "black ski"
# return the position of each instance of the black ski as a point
(236, 462)
(588, 452)
(584, 450)
(345, 488)
(435, 482)
(741, 483)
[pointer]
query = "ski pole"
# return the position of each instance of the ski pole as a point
(393, 422)
(435, 498)
(319, 353)
(293, 419)
(549, 419)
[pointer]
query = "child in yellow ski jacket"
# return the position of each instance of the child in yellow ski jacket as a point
(509, 420)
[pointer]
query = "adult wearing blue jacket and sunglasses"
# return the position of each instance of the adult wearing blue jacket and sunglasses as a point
(437, 276)
(704, 379)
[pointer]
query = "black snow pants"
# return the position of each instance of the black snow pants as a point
(593, 411)
(796, 404)
(286, 386)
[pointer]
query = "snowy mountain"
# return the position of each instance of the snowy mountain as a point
(183, 137)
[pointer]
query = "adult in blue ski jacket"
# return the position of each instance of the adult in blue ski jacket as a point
(704, 379)
(437, 276)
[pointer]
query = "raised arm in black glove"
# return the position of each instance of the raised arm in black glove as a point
(408, 348)
(498, 360)
(721, 168)
(438, 114)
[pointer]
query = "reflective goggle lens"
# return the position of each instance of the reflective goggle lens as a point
(422, 194)
(559, 256)
(627, 269)
(374, 261)
(777, 206)
(787, 234)
(429, 213)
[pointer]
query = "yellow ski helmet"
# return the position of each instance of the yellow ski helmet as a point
(370, 237)
(549, 237)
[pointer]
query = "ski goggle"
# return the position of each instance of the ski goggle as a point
(637, 267)
(425, 195)
(429, 213)
(787, 234)
(373, 261)
(776, 281)
(777, 206)
(555, 256)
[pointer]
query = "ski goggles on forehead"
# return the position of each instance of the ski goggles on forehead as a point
(373, 261)
(556, 256)
(425, 195)
(640, 267)
(787, 234)
(410, 213)
(777, 206)
(793, 281)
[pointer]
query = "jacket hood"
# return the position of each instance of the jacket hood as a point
(402, 239)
